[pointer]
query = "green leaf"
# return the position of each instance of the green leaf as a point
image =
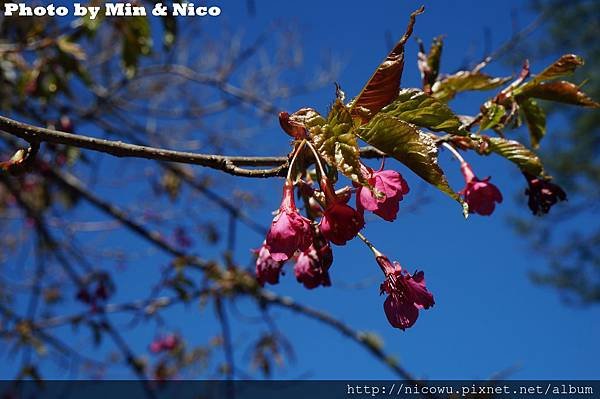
(492, 115)
(536, 120)
(447, 88)
(382, 87)
(416, 107)
(517, 153)
(137, 42)
(409, 145)
(336, 142)
(561, 91)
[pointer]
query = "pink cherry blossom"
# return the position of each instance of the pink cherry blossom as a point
(312, 265)
(407, 294)
(156, 346)
(340, 222)
(480, 195)
(166, 343)
(267, 268)
(289, 230)
(170, 342)
(390, 186)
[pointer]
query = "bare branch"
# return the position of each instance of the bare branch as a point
(228, 164)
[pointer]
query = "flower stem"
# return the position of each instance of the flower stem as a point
(454, 152)
(291, 167)
(317, 159)
(370, 245)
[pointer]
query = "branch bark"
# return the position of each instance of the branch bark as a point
(225, 163)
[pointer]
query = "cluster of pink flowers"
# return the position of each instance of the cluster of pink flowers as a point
(308, 242)
(165, 343)
(293, 236)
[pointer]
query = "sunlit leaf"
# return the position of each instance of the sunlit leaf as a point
(564, 66)
(416, 107)
(492, 115)
(536, 120)
(336, 142)
(448, 87)
(561, 91)
(382, 88)
(517, 153)
(405, 142)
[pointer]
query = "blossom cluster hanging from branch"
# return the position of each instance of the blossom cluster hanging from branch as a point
(404, 124)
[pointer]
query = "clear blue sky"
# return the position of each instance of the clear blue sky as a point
(488, 316)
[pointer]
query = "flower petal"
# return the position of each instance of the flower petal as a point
(401, 314)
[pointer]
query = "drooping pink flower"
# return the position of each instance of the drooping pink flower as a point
(289, 230)
(407, 294)
(480, 195)
(267, 268)
(170, 342)
(312, 265)
(166, 343)
(390, 185)
(156, 346)
(340, 222)
(542, 194)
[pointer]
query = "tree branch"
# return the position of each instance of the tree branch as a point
(227, 164)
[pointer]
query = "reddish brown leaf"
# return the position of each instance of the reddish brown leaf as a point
(561, 91)
(565, 65)
(382, 88)
(291, 127)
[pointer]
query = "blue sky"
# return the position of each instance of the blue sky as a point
(488, 316)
